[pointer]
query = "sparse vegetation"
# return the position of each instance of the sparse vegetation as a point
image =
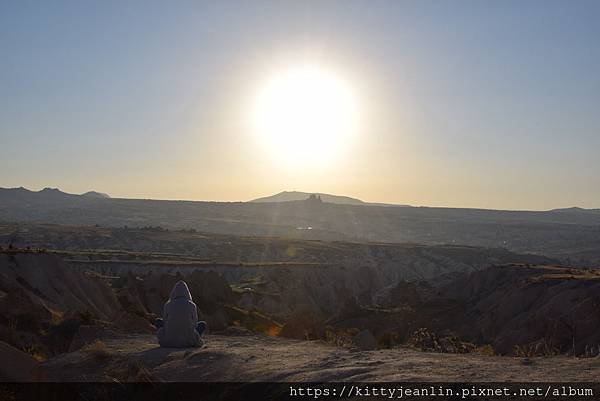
(34, 352)
(126, 370)
(486, 349)
(98, 351)
(542, 348)
(13, 335)
(60, 333)
(86, 317)
(56, 317)
(425, 340)
(340, 337)
(7, 394)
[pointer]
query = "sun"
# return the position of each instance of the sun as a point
(305, 114)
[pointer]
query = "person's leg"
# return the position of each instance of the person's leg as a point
(201, 327)
(159, 323)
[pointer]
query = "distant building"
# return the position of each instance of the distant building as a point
(314, 198)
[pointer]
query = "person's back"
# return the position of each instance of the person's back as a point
(180, 326)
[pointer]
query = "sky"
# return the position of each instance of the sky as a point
(461, 104)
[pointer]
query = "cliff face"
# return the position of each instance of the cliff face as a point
(522, 310)
(43, 302)
(542, 309)
(518, 309)
(40, 284)
(317, 277)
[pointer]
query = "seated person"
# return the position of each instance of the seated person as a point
(179, 326)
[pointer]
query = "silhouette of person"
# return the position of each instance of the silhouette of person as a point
(179, 326)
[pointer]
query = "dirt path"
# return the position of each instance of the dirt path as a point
(261, 358)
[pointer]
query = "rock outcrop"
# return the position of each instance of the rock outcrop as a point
(364, 341)
(41, 284)
(538, 310)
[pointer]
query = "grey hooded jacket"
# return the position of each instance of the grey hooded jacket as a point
(180, 317)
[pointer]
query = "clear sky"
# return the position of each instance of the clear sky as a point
(470, 103)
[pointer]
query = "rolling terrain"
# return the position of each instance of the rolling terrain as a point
(82, 278)
(73, 322)
(573, 235)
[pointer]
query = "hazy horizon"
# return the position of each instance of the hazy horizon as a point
(367, 201)
(486, 105)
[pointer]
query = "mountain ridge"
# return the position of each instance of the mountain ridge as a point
(293, 196)
(56, 192)
(94, 194)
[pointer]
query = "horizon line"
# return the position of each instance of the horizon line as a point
(365, 203)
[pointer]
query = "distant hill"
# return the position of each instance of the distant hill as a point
(23, 194)
(575, 210)
(290, 196)
(94, 194)
(568, 233)
(47, 194)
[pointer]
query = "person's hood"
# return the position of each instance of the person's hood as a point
(181, 290)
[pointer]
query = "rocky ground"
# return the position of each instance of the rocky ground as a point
(250, 357)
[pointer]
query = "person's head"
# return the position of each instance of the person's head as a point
(181, 290)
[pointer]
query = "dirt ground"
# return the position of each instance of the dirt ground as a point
(263, 358)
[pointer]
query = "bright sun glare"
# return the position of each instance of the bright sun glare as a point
(305, 114)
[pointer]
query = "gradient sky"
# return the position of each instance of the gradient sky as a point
(471, 103)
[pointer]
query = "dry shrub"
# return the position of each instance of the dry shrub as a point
(524, 351)
(591, 351)
(130, 371)
(428, 341)
(13, 334)
(486, 350)
(98, 351)
(34, 352)
(547, 348)
(56, 317)
(138, 372)
(340, 337)
(541, 348)
(60, 334)
(273, 330)
(6, 394)
(86, 317)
